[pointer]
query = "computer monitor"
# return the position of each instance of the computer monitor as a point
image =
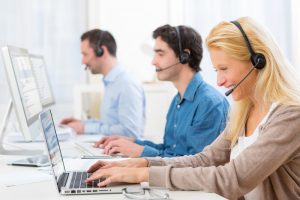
(46, 94)
(24, 92)
(41, 76)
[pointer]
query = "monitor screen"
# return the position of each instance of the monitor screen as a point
(42, 79)
(52, 143)
(23, 89)
(25, 81)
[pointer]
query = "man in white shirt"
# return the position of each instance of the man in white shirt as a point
(123, 106)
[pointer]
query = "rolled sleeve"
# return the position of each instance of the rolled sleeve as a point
(140, 142)
(150, 152)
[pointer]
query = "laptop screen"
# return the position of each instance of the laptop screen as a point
(52, 144)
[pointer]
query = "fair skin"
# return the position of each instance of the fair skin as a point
(97, 65)
(104, 141)
(229, 72)
(130, 171)
(119, 144)
(179, 74)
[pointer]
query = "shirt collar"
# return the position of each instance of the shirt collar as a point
(191, 89)
(113, 74)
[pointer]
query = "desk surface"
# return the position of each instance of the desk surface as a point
(46, 189)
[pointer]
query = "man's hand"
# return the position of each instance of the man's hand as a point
(136, 162)
(120, 174)
(106, 139)
(125, 147)
(75, 124)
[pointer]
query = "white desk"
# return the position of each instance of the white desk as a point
(47, 190)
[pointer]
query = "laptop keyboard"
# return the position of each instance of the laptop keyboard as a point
(78, 180)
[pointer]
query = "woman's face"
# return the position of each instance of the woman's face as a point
(231, 71)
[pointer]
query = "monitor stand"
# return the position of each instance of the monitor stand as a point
(4, 151)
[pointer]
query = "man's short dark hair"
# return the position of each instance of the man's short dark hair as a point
(105, 38)
(190, 40)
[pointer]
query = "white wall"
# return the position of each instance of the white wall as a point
(53, 28)
(205, 14)
(295, 39)
(132, 23)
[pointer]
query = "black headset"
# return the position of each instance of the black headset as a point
(184, 56)
(258, 60)
(98, 50)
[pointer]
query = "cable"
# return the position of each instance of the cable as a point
(148, 194)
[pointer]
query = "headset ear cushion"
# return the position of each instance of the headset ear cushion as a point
(259, 61)
(99, 52)
(184, 57)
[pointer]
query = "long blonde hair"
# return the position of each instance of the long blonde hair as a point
(276, 82)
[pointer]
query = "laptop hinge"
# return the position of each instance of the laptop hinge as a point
(62, 180)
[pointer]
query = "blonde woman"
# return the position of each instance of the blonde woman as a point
(258, 154)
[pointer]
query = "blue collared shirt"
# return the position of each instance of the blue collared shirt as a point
(123, 106)
(193, 122)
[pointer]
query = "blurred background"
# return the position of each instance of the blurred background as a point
(53, 28)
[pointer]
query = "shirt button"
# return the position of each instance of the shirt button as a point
(174, 146)
(178, 106)
(175, 125)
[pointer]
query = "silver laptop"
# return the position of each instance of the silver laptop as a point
(73, 182)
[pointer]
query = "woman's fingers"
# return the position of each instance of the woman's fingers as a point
(99, 164)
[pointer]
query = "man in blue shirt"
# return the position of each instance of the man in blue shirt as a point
(197, 114)
(123, 106)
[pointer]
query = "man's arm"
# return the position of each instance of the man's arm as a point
(134, 150)
(75, 124)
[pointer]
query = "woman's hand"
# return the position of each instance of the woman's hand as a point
(120, 174)
(133, 163)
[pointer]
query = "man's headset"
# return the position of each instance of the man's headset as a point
(184, 56)
(258, 60)
(98, 50)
